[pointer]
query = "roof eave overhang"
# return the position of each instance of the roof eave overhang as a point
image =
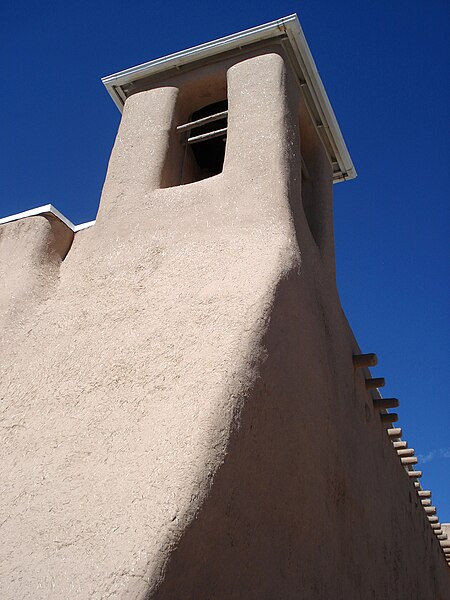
(303, 64)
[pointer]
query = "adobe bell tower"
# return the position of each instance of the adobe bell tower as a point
(245, 118)
(186, 412)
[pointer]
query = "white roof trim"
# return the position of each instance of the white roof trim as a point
(328, 127)
(46, 208)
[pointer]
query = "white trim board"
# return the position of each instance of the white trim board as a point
(46, 208)
(293, 40)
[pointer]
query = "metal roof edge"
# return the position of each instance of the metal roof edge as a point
(291, 27)
(205, 50)
(301, 48)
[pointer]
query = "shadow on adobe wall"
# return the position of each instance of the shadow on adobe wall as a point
(311, 501)
(262, 532)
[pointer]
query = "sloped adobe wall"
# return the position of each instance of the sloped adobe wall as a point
(311, 500)
(180, 414)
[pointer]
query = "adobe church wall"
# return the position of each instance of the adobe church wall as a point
(126, 377)
(31, 252)
(311, 500)
(182, 418)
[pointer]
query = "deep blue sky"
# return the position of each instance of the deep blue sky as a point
(385, 66)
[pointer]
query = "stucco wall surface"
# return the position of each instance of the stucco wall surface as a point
(31, 251)
(180, 415)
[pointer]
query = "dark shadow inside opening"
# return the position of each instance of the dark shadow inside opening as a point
(209, 154)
